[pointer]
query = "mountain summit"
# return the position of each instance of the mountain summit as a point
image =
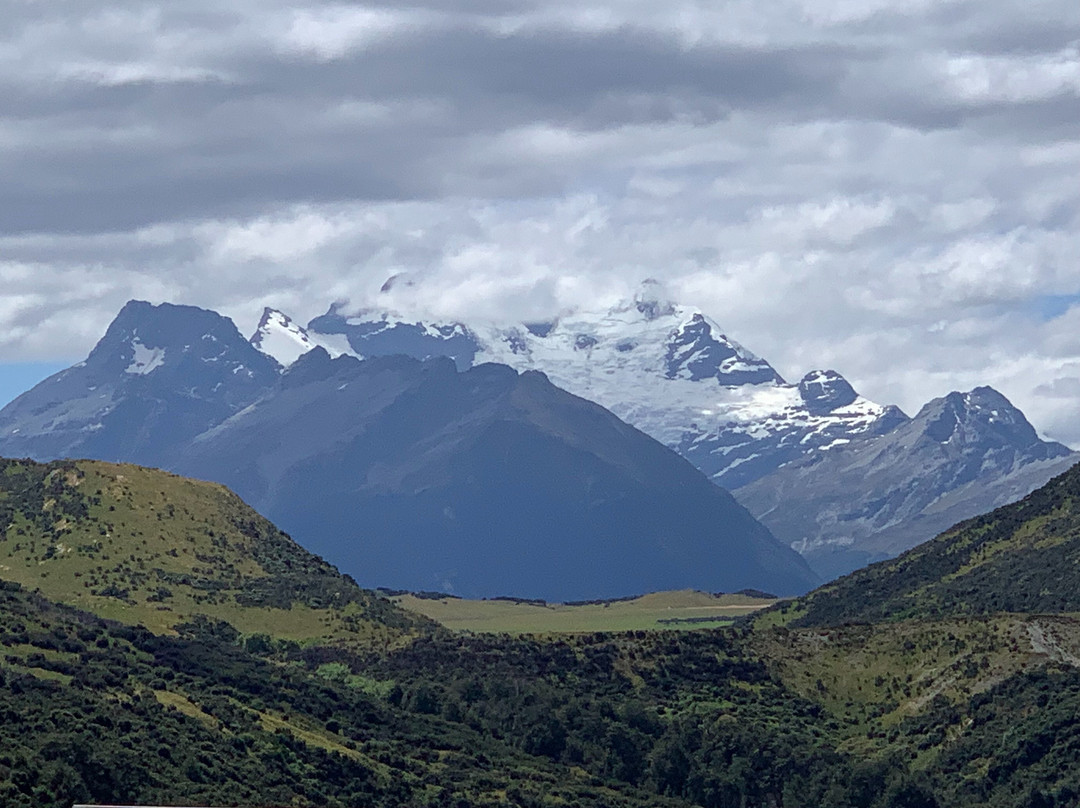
(159, 376)
(484, 482)
(668, 369)
(797, 455)
(286, 341)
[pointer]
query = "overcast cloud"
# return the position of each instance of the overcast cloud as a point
(885, 187)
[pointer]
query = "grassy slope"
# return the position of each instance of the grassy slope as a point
(958, 701)
(146, 547)
(1021, 558)
(684, 609)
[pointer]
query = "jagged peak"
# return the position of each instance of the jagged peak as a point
(272, 316)
(826, 390)
(980, 414)
(278, 336)
(698, 349)
(168, 326)
(979, 400)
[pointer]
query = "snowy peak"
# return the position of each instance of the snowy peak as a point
(159, 376)
(278, 336)
(286, 341)
(697, 350)
(147, 341)
(664, 367)
(651, 300)
(826, 390)
(383, 333)
(961, 455)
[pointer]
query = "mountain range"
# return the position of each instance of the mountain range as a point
(405, 473)
(1020, 558)
(291, 417)
(842, 479)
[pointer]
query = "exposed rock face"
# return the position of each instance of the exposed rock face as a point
(963, 454)
(410, 474)
(843, 479)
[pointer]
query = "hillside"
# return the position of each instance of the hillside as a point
(947, 712)
(97, 712)
(148, 547)
(1021, 558)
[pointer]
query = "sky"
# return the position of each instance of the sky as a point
(883, 187)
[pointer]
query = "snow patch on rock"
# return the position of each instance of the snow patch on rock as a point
(145, 360)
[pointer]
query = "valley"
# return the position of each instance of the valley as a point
(800, 703)
(540, 404)
(685, 610)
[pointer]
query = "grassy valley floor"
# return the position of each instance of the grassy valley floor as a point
(682, 609)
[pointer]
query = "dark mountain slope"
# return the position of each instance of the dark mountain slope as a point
(1023, 557)
(412, 475)
(962, 455)
(159, 376)
(373, 334)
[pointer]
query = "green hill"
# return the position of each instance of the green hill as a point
(267, 678)
(1021, 558)
(146, 547)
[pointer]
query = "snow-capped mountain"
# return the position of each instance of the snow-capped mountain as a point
(482, 482)
(159, 376)
(668, 369)
(382, 333)
(962, 455)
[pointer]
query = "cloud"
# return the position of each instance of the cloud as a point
(885, 187)
(1067, 387)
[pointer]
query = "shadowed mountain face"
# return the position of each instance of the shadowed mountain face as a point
(374, 334)
(963, 454)
(413, 475)
(407, 474)
(159, 376)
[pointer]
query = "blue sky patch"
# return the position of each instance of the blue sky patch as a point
(18, 377)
